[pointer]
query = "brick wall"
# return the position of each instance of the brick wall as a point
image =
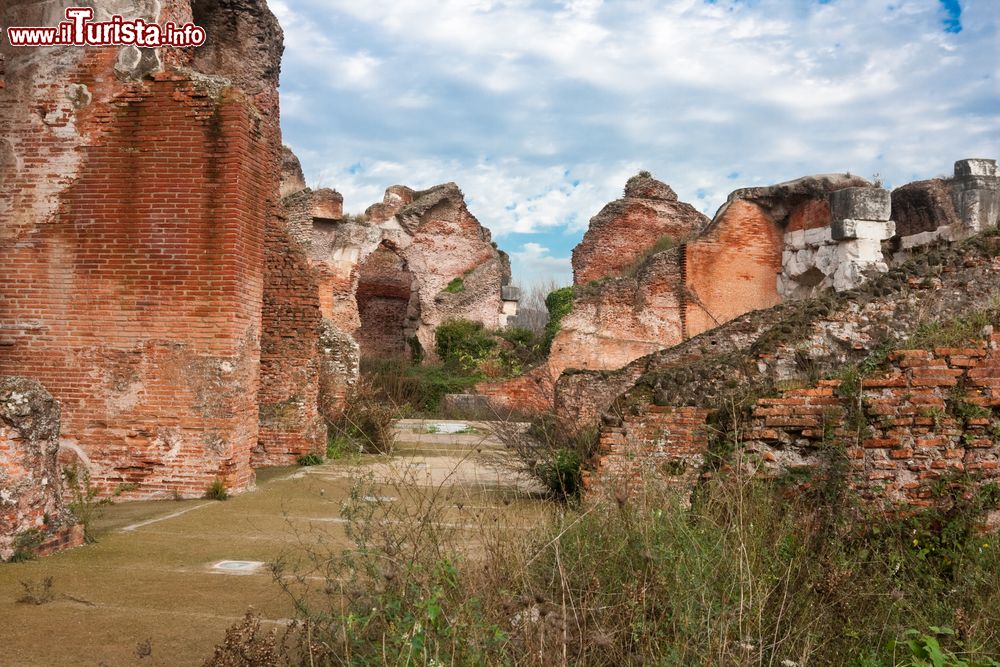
(290, 423)
(624, 230)
(138, 304)
(529, 393)
(384, 293)
(339, 361)
(933, 412)
(732, 268)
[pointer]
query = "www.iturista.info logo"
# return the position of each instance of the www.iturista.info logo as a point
(79, 30)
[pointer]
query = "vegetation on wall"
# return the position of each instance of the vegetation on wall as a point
(559, 304)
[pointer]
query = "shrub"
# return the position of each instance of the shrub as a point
(366, 420)
(414, 389)
(26, 545)
(217, 490)
(463, 343)
(310, 459)
(745, 575)
(548, 453)
(559, 304)
(338, 447)
(246, 645)
(37, 592)
(86, 503)
(665, 242)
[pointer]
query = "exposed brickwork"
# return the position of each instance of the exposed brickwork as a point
(625, 229)
(339, 361)
(777, 345)
(32, 514)
(625, 318)
(732, 268)
(727, 269)
(136, 244)
(384, 296)
(383, 277)
(527, 394)
(933, 412)
(290, 423)
(665, 443)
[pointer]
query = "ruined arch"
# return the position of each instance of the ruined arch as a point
(388, 304)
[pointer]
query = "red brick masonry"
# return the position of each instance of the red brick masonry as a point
(933, 412)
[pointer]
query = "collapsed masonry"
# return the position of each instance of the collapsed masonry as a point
(652, 273)
(388, 278)
(925, 412)
(33, 516)
(184, 320)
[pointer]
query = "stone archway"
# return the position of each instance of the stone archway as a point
(388, 305)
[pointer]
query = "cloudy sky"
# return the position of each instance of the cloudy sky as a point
(541, 109)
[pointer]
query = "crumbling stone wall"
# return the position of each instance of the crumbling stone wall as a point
(33, 517)
(821, 334)
(290, 421)
(133, 229)
(657, 425)
(388, 304)
(938, 210)
(627, 228)
(930, 415)
(339, 368)
(390, 277)
(766, 245)
(729, 267)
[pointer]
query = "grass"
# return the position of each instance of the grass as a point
(217, 490)
(311, 459)
(455, 286)
(958, 332)
(746, 575)
(662, 244)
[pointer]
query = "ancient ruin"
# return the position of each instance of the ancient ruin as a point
(391, 276)
(33, 515)
(194, 311)
(884, 291)
(186, 301)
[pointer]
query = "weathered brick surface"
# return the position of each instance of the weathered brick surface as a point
(530, 393)
(290, 422)
(732, 268)
(383, 277)
(665, 444)
(31, 504)
(625, 229)
(726, 269)
(388, 305)
(929, 414)
(923, 206)
(821, 334)
(133, 244)
(339, 368)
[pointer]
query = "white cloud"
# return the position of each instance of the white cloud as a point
(541, 109)
(534, 264)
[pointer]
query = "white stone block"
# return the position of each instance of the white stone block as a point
(860, 251)
(976, 167)
(818, 236)
(863, 229)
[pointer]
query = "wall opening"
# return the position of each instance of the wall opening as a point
(388, 305)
